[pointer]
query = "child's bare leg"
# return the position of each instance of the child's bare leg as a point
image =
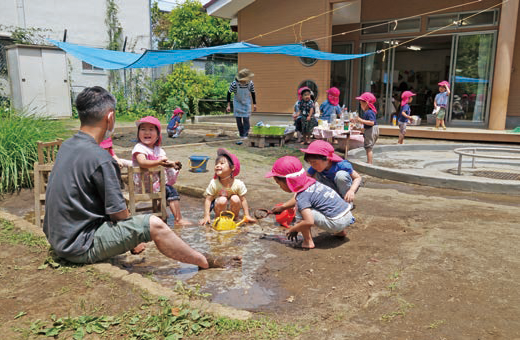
(401, 139)
(437, 123)
(370, 155)
(175, 207)
(342, 233)
(235, 205)
(307, 238)
(220, 205)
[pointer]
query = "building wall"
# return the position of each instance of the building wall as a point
(85, 24)
(277, 77)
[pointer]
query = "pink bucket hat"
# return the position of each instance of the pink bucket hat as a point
(333, 96)
(177, 111)
(370, 99)
(234, 161)
(321, 147)
(444, 83)
(292, 170)
(151, 120)
(405, 96)
(300, 90)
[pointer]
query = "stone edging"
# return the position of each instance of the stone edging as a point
(428, 180)
(141, 282)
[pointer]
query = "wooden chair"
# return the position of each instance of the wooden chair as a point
(47, 151)
(157, 199)
(42, 169)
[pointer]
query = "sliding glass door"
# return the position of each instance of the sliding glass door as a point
(471, 79)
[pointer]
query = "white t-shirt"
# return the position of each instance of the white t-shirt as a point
(215, 188)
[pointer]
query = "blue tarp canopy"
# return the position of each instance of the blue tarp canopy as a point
(113, 60)
(460, 79)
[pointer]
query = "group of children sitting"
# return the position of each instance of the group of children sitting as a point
(323, 195)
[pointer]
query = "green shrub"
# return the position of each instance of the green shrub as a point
(19, 133)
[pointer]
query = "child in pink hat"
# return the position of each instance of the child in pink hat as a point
(174, 127)
(332, 170)
(440, 103)
(370, 128)
(225, 190)
(107, 144)
(318, 204)
(404, 114)
(330, 107)
(147, 153)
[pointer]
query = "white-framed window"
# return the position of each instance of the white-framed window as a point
(88, 68)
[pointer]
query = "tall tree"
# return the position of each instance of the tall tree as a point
(189, 26)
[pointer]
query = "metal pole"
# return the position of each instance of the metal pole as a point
(473, 160)
(460, 164)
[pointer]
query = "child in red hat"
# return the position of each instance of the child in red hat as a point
(318, 204)
(174, 127)
(404, 114)
(148, 153)
(440, 103)
(331, 170)
(225, 189)
(370, 128)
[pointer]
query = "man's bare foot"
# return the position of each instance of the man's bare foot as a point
(183, 222)
(223, 261)
(308, 244)
(341, 234)
(139, 249)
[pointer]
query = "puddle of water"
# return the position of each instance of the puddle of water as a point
(233, 286)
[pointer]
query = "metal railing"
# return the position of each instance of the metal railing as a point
(472, 152)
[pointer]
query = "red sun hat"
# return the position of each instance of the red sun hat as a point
(154, 121)
(369, 98)
(321, 147)
(234, 161)
(292, 170)
(177, 111)
(107, 143)
(405, 96)
(444, 83)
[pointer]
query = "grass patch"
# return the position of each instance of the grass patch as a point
(159, 320)
(404, 307)
(13, 236)
(19, 133)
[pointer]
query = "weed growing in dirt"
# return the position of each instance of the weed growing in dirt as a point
(11, 235)
(404, 307)
(189, 292)
(258, 329)
(436, 324)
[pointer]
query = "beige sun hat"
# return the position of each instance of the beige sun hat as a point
(244, 74)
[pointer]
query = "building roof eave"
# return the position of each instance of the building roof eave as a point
(227, 9)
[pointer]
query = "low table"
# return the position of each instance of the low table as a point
(342, 136)
(262, 141)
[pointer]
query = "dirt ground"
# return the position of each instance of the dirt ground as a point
(419, 263)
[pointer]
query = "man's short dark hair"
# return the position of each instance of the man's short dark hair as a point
(93, 103)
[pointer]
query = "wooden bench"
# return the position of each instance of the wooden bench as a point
(262, 141)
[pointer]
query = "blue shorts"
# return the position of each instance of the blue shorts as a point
(172, 194)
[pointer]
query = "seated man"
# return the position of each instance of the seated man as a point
(86, 218)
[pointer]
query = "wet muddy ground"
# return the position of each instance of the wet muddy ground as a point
(419, 263)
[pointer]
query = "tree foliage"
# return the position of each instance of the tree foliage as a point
(189, 26)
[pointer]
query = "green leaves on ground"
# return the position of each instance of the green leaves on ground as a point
(10, 235)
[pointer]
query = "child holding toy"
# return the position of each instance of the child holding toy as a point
(331, 170)
(225, 190)
(404, 115)
(370, 128)
(318, 204)
(148, 153)
(440, 103)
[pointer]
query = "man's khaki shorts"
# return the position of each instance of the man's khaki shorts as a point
(114, 238)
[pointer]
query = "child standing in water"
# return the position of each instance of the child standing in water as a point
(371, 130)
(330, 108)
(306, 115)
(148, 153)
(244, 90)
(440, 103)
(225, 190)
(318, 204)
(404, 114)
